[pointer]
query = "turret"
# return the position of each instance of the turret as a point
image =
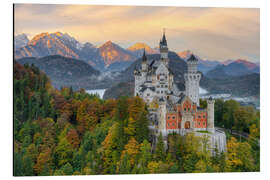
(211, 115)
(192, 63)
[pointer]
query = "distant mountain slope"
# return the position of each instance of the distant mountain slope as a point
(46, 44)
(184, 54)
(234, 68)
(242, 86)
(217, 72)
(112, 53)
(20, 41)
(138, 49)
(66, 71)
(203, 65)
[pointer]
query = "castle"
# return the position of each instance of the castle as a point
(171, 110)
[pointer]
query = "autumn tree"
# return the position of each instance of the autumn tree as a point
(239, 156)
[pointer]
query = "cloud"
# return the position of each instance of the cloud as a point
(214, 33)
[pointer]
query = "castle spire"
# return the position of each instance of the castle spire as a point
(163, 41)
(144, 58)
(163, 48)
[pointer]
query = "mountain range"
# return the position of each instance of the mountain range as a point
(107, 57)
(233, 68)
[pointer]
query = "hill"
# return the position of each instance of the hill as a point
(242, 86)
(67, 72)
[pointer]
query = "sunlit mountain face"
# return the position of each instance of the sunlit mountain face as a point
(139, 47)
(111, 53)
(101, 58)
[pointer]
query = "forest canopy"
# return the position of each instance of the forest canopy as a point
(67, 132)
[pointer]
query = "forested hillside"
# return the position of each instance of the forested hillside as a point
(65, 71)
(67, 132)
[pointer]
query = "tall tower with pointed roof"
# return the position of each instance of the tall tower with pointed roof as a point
(192, 80)
(163, 48)
(144, 62)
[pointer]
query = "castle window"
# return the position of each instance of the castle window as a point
(158, 92)
(161, 92)
(173, 117)
(203, 123)
(199, 123)
(166, 86)
(161, 85)
(168, 117)
(148, 94)
(199, 116)
(168, 124)
(203, 116)
(185, 109)
(173, 124)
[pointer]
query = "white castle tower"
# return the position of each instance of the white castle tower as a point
(192, 80)
(210, 115)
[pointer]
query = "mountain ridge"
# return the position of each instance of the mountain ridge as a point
(46, 44)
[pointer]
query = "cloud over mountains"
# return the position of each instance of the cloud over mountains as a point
(214, 33)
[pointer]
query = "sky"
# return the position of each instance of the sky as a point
(211, 33)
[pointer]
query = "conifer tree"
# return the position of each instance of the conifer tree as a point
(160, 154)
